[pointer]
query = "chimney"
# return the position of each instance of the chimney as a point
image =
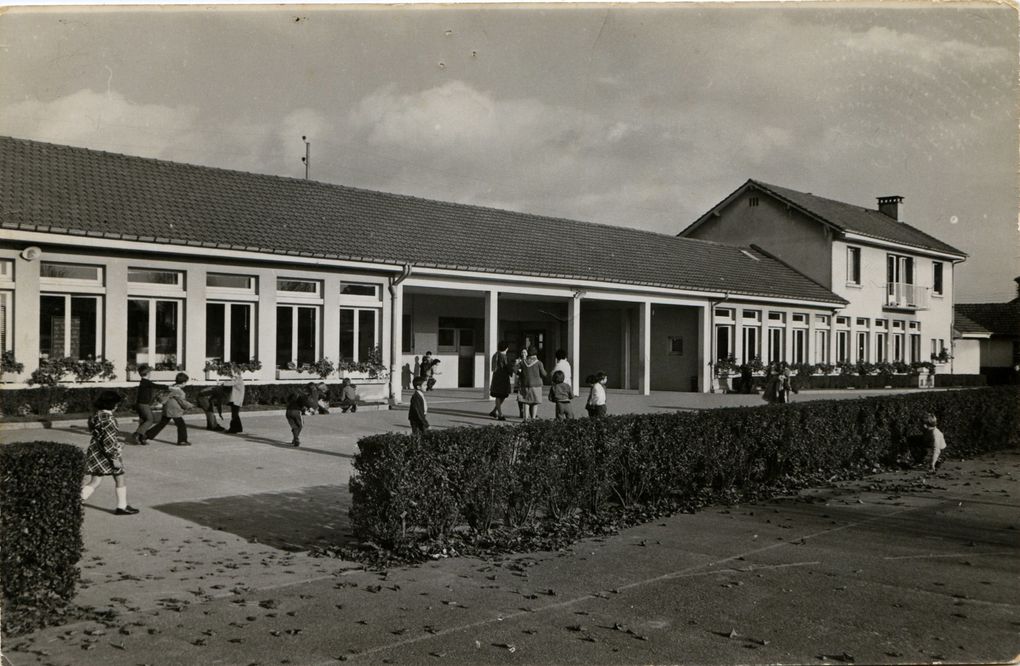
(890, 206)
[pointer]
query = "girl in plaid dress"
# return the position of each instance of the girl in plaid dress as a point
(103, 455)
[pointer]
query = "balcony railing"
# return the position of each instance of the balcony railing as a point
(906, 296)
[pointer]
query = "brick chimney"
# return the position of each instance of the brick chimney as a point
(890, 206)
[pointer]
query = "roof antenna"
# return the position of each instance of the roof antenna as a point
(307, 152)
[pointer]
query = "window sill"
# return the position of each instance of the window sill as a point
(854, 285)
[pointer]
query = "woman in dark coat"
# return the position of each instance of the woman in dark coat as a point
(499, 387)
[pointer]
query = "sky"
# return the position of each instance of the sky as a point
(642, 116)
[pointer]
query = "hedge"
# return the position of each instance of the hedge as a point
(829, 382)
(40, 528)
(540, 474)
(45, 401)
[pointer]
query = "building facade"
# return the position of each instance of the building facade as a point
(133, 260)
(897, 281)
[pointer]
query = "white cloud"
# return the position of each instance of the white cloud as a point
(883, 41)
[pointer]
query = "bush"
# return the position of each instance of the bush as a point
(542, 474)
(40, 528)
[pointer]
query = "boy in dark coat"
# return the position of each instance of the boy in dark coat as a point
(298, 401)
(144, 398)
(418, 414)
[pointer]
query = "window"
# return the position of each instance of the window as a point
(155, 332)
(723, 341)
(842, 321)
(899, 269)
(751, 344)
(863, 322)
(881, 342)
(359, 333)
(777, 350)
(752, 315)
(915, 347)
(898, 347)
(821, 346)
(800, 345)
(156, 277)
(230, 283)
(297, 335)
(6, 333)
(676, 345)
(936, 278)
(882, 324)
(862, 346)
(6, 270)
(70, 326)
(777, 316)
(914, 325)
(299, 288)
(800, 318)
(842, 346)
(897, 325)
(359, 289)
(724, 313)
(821, 320)
(55, 274)
(230, 332)
(853, 265)
(753, 201)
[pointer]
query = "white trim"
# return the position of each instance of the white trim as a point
(100, 351)
(153, 357)
(228, 323)
(851, 236)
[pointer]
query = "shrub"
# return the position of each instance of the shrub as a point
(9, 364)
(543, 474)
(40, 528)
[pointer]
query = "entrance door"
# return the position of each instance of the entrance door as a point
(465, 357)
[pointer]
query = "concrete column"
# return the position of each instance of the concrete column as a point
(788, 337)
(766, 339)
(491, 337)
(625, 354)
(115, 325)
(645, 348)
(705, 316)
(396, 333)
(811, 342)
(193, 319)
(267, 325)
(26, 316)
(738, 334)
(574, 342)
(330, 335)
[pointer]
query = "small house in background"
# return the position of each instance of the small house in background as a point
(999, 345)
(898, 281)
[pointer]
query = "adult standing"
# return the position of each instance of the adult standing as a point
(563, 365)
(533, 375)
(236, 400)
(499, 386)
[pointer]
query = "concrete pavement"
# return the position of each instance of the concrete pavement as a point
(899, 568)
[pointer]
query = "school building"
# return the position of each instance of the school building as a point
(138, 260)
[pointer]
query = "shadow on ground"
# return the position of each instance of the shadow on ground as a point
(291, 521)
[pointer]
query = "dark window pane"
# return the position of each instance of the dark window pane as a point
(68, 271)
(83, 327)
(166, 328)
(153, 277)
(302, 286)
(406, 337)
(215, 330)
(446, 337)
(240, 333)
(366, 334)
(467, 337)
(347, 334)
(284, 335)
(51, 327)
(224, 281)
(306, 335)
(138, 330)
(359, 289)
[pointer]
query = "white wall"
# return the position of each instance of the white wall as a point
(966, 356)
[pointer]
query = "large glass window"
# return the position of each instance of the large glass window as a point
(853, 265)
(69, 326)
(915, 347)
(723, 341)
(821, 346)
(229, 332)
(359, 333)
(936, 277)
(777, 351)
(751, 345)
(842, 346)
(297, 335)
(898, 347)
(862, 345)
(800, 345)
(881, 343)
(155, 332)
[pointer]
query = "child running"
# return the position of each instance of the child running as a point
(174, 406)
(597, 397)
(103, 457)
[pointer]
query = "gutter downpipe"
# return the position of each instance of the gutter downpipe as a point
(714, 380)
(396, 319)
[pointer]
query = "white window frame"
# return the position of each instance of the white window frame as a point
(729, 351)
(938, 267)
(299, 296)
(360, 298)
(851, 279)
(748, 352)
(7, 300)
(865, 337)
(67, 296)
(822, 346)
(842, 346)
(899, 347)
(823, 321)
(53, 284)
(6, 270)
(725, 315)
(294, 330)
(236, 293)
(777, 316)
(881, 347)
(228, 322)
(781, 331)
(177, 288)
(800, 345)
(377, 319)
(152, 354)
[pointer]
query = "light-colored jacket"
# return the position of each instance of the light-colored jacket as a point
(176, 404)
(237, 390)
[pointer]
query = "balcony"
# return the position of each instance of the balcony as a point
(903, 296)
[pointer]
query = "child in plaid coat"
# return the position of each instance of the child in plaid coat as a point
(103, 457)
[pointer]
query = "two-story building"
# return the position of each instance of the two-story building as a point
(897, 280)
(136, 260)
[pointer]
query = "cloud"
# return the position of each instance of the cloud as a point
(885, 42)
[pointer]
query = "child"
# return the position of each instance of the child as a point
(298, 401)
(103, 457)
(322, 397)
(236, 400)
(938, 440)
(144, 398)
(174, 406)
(348, 397)
(560, 395)
(418, 414)
(597, 397)
(210, 399)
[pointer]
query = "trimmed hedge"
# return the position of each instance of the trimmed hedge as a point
(540, 474)
(829, 382)
(40, 528)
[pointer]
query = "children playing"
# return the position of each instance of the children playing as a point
(298, 401)
(174, 406)
(560, 395)
(103, 457)
(349, 397)
(937, 439)
(144, 399)
(597, 396)
(418, 414)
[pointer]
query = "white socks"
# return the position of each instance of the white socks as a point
(121, 497)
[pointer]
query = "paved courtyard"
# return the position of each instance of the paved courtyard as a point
(900, 568)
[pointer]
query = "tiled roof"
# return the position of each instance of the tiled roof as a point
(999, 318)
(864, 221)
(51, 188)
(965, 325)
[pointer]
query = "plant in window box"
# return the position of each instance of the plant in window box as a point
(922, 368)
(323, 368)
(900, 368)
(825, 368)
(885, 369)
(215, 367)
(846, 368)
(756, 365)
(167, 363)
(9, 365)
(88, 369)
(49, 372)
(722, 369)
(864, 369)
(942, 357)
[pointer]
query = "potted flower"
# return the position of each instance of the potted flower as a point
(9, 366)
(165, 369)
(323, 368)
(218, 369)
(721, 371)
(372, 368)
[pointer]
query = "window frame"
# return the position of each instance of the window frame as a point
(286, 296)
(178, 287)
(7, 320)
(938, 279)
(781, 330)
(100, 351)
(58, 284)
(377, 339)
(151, 336)
(822, 345)
(853, 266)
(223, 293)
(294, 308)
(228, 316)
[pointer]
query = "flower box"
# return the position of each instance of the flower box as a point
(213, 376)
(284, 373)
(155, 375)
